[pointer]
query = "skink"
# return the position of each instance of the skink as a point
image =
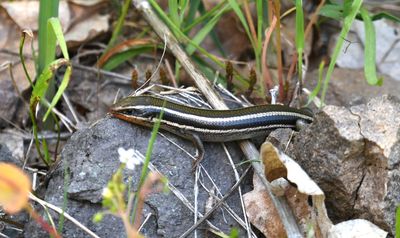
(199, 124)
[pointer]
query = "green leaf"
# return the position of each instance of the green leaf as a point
(54, 25)
(46, 152)
(348, 20)
(183, 4)
(60, 91)
(333, 11)
(149, 151)
(316, 90)
(204, 15)
(47, 45)
(385, 15)
(213, 33)
(42, 83)
(260, 22)
(398, 222)
(55, 30)
(299, 37)
(202, 34)
(173, 12)
(118, 27)
(347, 7)
(369, 50)
(193, 8)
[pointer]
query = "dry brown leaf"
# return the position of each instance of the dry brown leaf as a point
(123, 46)
(25, 13)
(87, 29)
(79, 23)
(261, 211)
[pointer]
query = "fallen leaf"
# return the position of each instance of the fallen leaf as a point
(30, 12)
(261, 211)
(87, 29)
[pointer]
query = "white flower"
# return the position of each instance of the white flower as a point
(106, 193)
(128, 157)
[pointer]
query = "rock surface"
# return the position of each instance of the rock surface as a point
(354, 155)
(348, 87)
(91, 158)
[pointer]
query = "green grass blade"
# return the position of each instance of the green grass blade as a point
(46, 152)
(204, 16)
(42, 83)
(193, 8)
(398, 222)
(183, 4)
(146, 162)
(21, 53)
(55, 30)
(202, 34)
(218, 43)
(347, 7)
(60, 91)
(173, 12)
(316, 90)
(182, 37)
(334, 11)
(299, 38)
(213, 33)
(208, 71)
(185, 39)
(370, 50)
(54, 27)
(47, 9)
(257, 50)
(348, 20)
(385, 15)
(260, 23)
(118, 27)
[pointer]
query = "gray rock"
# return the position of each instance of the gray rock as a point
(379, 192)
(9, 99)
(12, 109)
(353, 154)
(91, 158)
(5, 154)
(348, 87)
